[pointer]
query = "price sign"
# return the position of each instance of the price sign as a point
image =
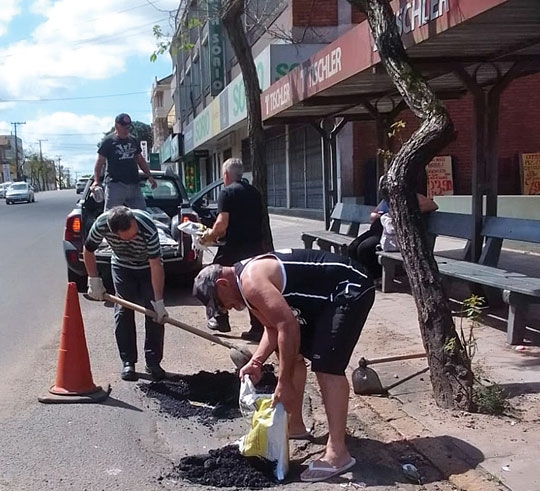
(530, 173)
(439, 174)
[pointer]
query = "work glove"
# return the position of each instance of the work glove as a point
(205, 238)
(159, 309)
(98, 194)
(96, 290)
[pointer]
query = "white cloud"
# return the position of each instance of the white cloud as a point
(10, 8)
(78, 40)
(73, 137)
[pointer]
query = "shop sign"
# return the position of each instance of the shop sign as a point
(530, 173)
(155, 163)
(175, 148)
(165, 150)
(188, 138)
(417, 13)
(201, 127)
(215, 45)
(144, 149)
(439, 176)
(237, 92)
(6, 173)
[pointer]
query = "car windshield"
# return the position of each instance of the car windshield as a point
(18, 186)
(165, 190)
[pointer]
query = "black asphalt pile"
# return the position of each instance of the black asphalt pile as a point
(225, 467)
(208, 396)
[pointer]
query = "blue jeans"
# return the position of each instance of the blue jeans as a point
(136, 286)
(118, 193)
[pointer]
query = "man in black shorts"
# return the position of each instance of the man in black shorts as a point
(239, 223)
(313, 304)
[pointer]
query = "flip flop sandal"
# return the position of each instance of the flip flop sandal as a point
(324, 471)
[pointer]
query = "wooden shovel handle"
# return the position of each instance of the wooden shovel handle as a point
(374, 361)
(169, 320)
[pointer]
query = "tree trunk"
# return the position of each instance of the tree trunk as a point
(451, 375)
(232, 20)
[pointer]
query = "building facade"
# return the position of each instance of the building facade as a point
(209, 101)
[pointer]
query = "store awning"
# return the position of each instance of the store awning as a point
(346, 79)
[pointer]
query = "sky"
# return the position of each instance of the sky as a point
(68, 67)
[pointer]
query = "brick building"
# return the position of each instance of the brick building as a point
(316, 61)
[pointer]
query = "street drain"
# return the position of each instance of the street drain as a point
(225, 467)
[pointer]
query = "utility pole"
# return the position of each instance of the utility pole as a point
(40, 153)
(59, 157)
(42, 170)
(19, 175)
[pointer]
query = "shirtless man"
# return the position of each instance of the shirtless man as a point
(313, 305)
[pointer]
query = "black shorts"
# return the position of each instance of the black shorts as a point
(330, 339)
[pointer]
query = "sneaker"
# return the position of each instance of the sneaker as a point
(156, 372)
(128, 372)
(220, 324)
(252, 335)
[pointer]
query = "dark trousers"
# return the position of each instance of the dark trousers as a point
(136, 286)
(363, 249)
(229, 254)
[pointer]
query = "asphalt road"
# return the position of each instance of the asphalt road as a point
(125, 442)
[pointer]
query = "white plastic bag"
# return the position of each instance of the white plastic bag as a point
(268, 436)
(388, 237)
(196, 230)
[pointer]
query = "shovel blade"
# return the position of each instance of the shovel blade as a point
(365, 381)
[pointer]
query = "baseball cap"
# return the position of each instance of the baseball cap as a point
(123, 119)
(204, 288)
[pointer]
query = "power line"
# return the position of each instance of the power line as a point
(75, 98)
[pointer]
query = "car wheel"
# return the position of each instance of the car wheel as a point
(80, 281)
(8, 202)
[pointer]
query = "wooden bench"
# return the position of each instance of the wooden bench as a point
(346, 219)
(518, 290)
(456, 225)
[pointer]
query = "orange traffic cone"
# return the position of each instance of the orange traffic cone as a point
(73, 376)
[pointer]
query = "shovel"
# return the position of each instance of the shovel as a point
(239, 356)
(366, 381)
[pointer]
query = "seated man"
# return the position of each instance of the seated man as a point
(313, 304)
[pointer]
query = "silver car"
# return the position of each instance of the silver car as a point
(3, 188)
(19, 192)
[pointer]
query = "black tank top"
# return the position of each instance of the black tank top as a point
(314, 278)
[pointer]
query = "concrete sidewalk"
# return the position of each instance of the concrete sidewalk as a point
(499, 452)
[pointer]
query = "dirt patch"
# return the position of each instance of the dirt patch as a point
(207, 396)
(225, 467)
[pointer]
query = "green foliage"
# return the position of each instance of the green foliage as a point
(490, 399)
(141, 131)
(471, 311)
(165, 42)
(395, 132)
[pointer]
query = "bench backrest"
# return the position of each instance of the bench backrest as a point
(457, 225)
(497, 229)
(351, 214)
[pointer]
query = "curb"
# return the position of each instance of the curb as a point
(445, 459)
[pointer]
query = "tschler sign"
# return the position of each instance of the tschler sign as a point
(215, 44)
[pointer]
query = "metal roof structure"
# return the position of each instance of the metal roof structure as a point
(459, 46)
(484, 38)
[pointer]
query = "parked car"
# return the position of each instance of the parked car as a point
(3, 188)
(19, 192)
(80, 184)
(168, 205)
